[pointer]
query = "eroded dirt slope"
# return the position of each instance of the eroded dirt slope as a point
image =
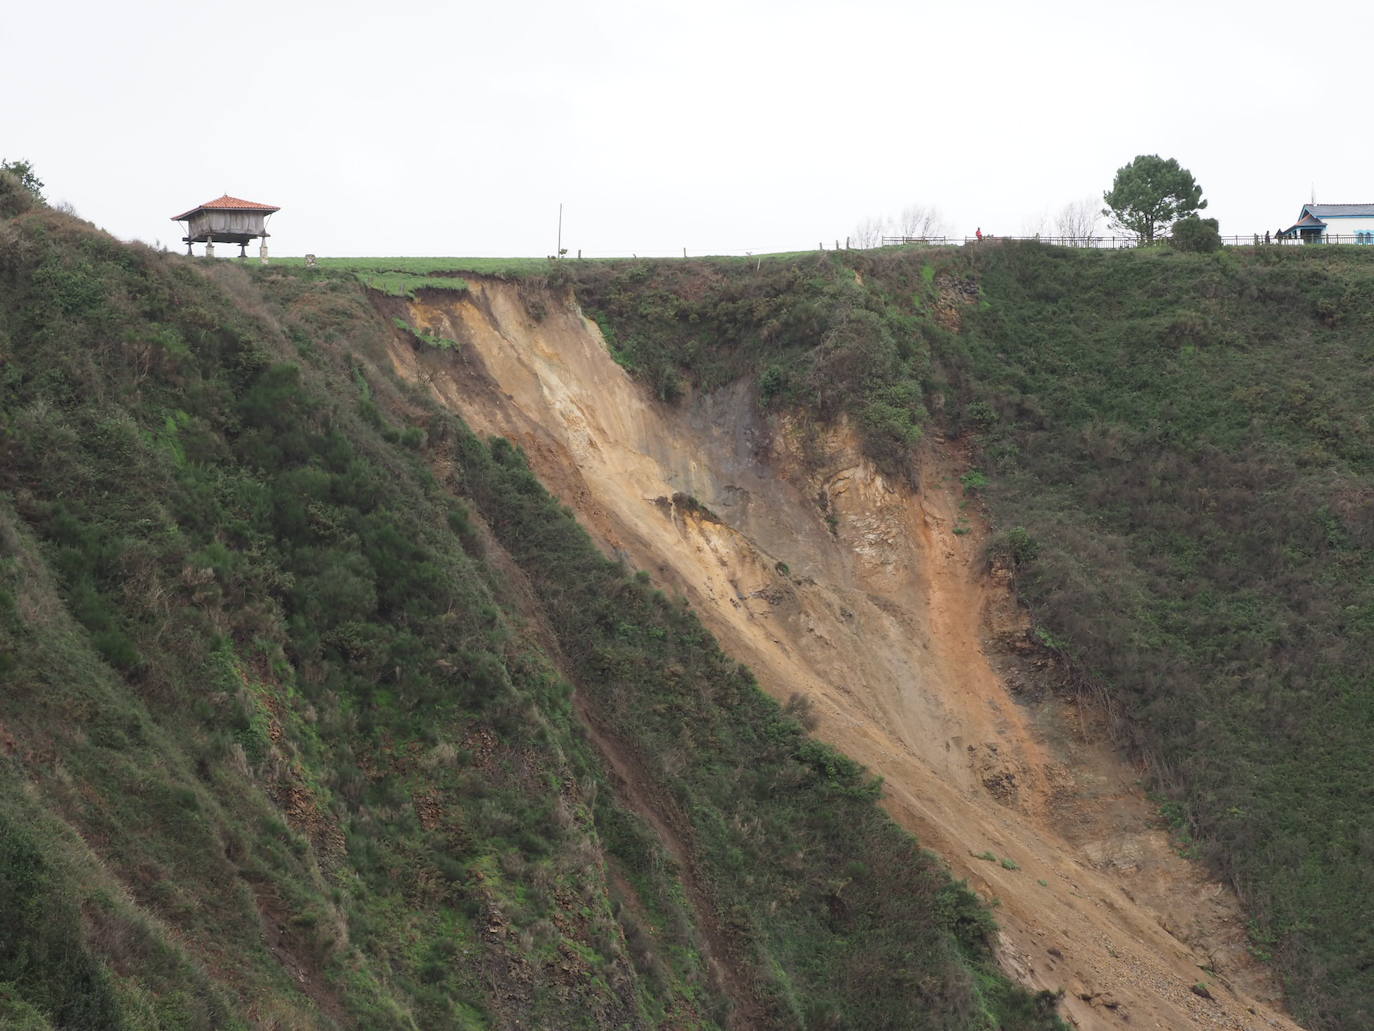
(869, 598)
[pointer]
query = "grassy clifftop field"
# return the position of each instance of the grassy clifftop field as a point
(307, 697)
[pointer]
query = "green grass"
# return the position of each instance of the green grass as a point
(504, 267)
(420, 266)
(515, 268)
(401, 284)
(403, 277)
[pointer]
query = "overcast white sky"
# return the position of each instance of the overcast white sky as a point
(414, 127)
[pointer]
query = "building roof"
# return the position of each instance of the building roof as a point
(1312, 214)
(225, 203)
(1328, 210)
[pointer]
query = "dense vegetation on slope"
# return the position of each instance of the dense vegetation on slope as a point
(1179, 451)
(820, 337)
(287, 724)
(1187, 442)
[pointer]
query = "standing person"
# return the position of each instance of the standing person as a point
(1266, 237)
(979, 234)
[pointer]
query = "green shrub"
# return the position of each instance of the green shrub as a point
(14, 198)
(973, 481)
(1196, 235)
(43, 958)
(1017, 545)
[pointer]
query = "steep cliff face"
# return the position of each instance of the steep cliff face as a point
(868, 597)
(318, 711)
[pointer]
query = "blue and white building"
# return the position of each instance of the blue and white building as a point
(1334, 223)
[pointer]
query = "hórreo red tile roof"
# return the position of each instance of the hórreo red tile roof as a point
(225, 203)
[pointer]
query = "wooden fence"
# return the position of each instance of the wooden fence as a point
(1122, 242)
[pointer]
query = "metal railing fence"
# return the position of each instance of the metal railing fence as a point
(1123, 242)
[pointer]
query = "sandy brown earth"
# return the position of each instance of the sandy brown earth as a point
(871, 598)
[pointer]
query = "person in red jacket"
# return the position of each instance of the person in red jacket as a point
(979, 234)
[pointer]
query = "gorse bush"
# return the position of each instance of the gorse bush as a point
(1198, 235)
(14, 198)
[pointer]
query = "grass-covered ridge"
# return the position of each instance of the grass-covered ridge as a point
(1179, 452)
(1187, 444)
(396, 277)
(406, 277)
(288, 660)
(513, 267)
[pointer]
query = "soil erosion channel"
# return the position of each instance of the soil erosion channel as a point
(871, 599)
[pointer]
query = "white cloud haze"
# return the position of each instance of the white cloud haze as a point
(426, 128)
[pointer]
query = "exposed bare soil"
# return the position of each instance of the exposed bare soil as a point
(872, 599)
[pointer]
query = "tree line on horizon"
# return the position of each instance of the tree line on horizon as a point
(1149, 197)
